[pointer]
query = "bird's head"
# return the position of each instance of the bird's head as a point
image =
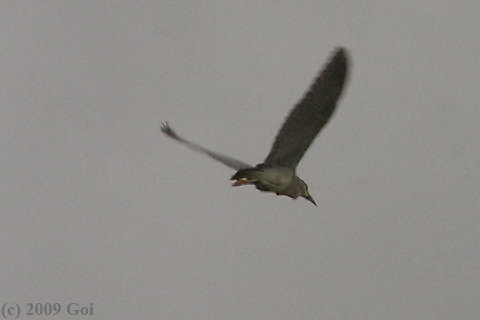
(304, 192)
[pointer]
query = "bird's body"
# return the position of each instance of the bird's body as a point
(277, 173)
(266, 179)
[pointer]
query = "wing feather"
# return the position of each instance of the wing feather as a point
(310, 115)
(226, 160)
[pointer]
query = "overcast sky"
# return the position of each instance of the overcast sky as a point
(98, 207)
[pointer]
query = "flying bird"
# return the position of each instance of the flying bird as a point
(277, 173)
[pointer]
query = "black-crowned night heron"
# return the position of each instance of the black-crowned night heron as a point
(278, 172)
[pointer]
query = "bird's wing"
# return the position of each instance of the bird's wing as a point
(226, 160)
(309, 115)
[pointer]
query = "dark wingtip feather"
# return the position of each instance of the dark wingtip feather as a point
(165, 128)
(336, 69)
(340, 53)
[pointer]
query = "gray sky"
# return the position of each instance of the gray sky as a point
(99, 207)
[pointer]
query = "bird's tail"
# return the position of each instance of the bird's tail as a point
(245, 176)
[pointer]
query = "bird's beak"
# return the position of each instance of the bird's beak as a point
(309, 198)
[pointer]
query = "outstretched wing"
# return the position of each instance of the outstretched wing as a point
(309, 116)
(226, 160)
